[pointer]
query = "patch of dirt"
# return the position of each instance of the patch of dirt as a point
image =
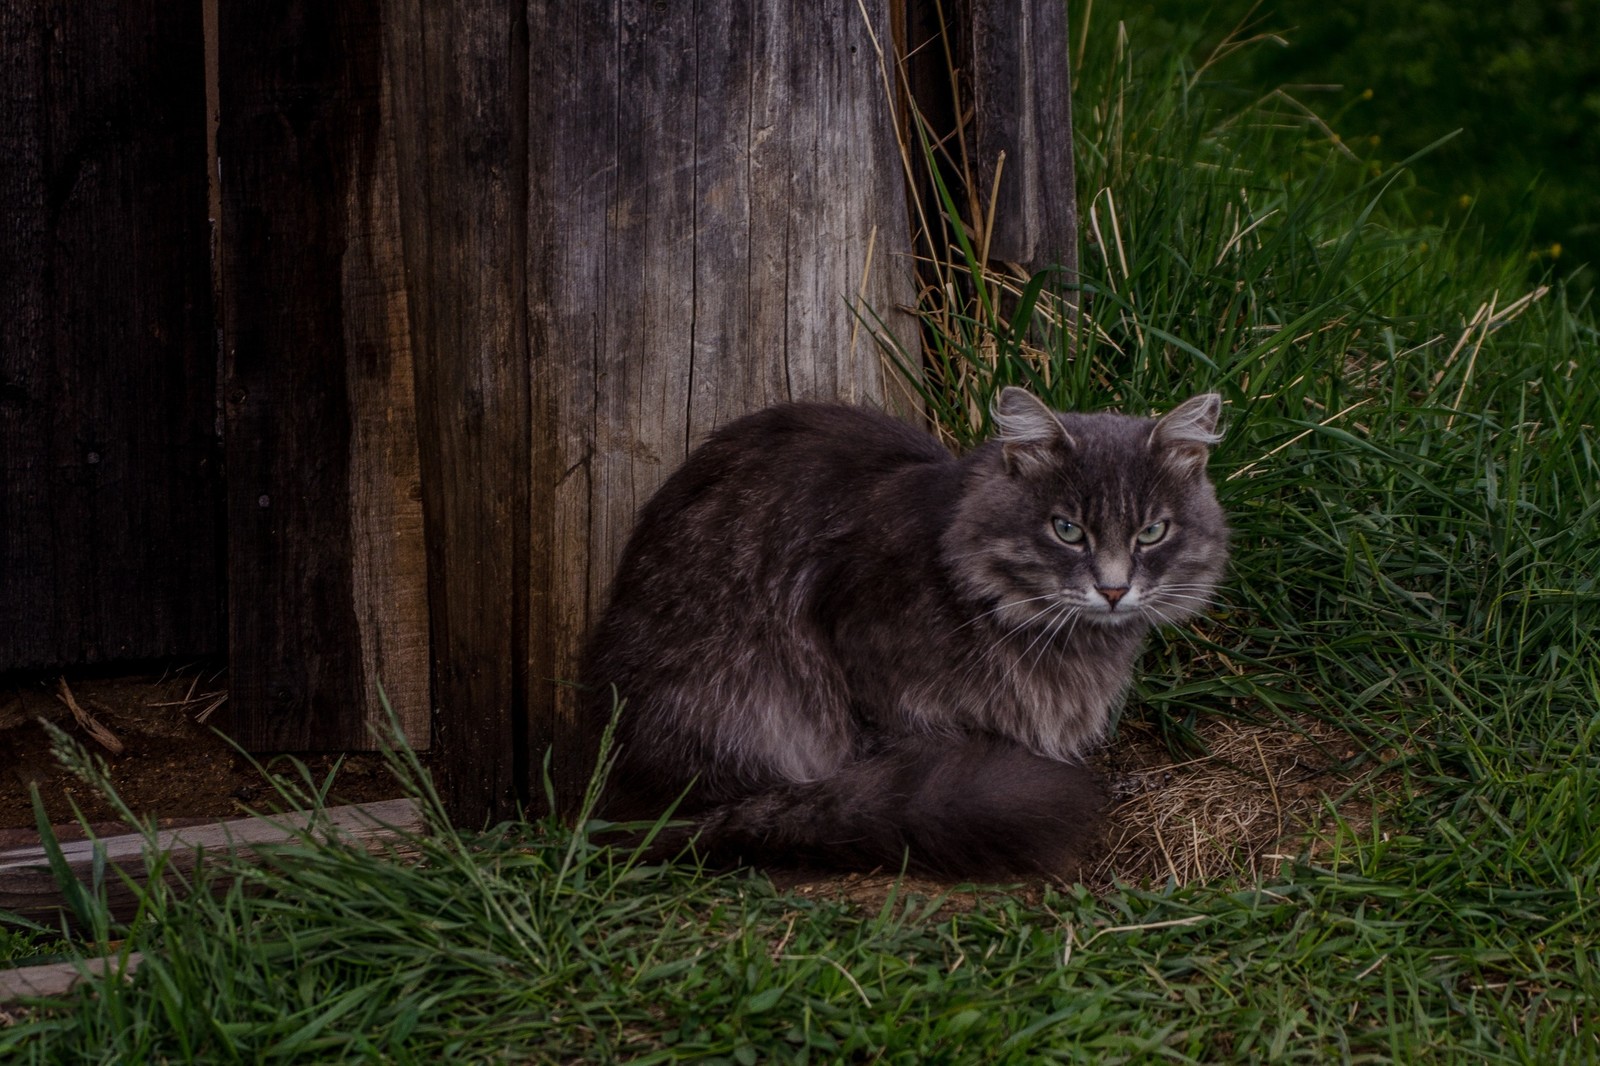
(172, 765)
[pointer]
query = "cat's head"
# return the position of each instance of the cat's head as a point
(1097, 519)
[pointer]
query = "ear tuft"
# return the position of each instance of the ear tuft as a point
(1186, 433)
(1027, 430)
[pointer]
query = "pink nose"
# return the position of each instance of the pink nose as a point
(1114, 594)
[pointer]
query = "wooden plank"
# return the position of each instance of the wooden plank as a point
(1022, 103)
(110, 540)
(59, 978)
(460, 71)
(327, 574)
(27, 886)
(706, 182)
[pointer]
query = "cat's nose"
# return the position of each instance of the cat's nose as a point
(1112, 593)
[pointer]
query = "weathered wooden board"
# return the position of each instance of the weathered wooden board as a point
(707, 183)
(326, 567)
(1022, 104)
(28, 887)
(59, 978)
(110, 534)
(460, 74)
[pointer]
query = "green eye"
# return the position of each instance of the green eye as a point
(1068, 532)
(1152, 532)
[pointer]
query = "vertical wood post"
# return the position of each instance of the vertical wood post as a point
(326, 573)
(460, 70)
(109, 481)
(1022, 104)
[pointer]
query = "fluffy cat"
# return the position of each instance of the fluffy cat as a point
(847, 649)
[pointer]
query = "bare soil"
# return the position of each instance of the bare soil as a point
(173, 765)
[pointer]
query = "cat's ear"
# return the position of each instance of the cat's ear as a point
(1027, 430)
(1185, 434)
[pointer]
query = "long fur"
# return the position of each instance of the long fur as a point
(973, 807)
(851, 649)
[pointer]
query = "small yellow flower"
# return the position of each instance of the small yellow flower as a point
(1555, 250)
(1366, 94)
(1423, 247)
(1464, 202)
(1374, 140)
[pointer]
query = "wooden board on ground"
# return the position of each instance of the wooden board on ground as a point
(28, 887)
(58, 978)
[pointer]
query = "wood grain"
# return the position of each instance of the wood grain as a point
(706, 183)
(110, 534)
(1022, 102)
(327, 578)
(58, 978)
(460, 74)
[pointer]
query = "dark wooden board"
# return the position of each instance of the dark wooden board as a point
(327, 586)
(110, 535)
(460, 74)
(1022, 103)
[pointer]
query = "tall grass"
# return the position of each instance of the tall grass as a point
(1409, 460)
(1411, 469)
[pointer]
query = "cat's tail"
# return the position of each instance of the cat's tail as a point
(978, 807)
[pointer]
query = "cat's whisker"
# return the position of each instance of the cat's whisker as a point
(1180, 598)
(1183, 601)
(1067, 611)
(1001, 639)
(1200, 591)
(1045, 626)
(1004, 606)
(1069, 619)
(1063, 610)
(1165, 619)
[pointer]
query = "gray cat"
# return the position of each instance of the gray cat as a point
(847, 649)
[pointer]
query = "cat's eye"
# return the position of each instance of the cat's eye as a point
(1068, 532)
(1152, 532)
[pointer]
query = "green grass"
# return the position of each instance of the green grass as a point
(1415, 500)
(21, 942)
(1516, 82)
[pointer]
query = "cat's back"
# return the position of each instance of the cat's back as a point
(844, 437)
(794, 455)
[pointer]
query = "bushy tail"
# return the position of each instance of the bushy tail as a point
(978, 808)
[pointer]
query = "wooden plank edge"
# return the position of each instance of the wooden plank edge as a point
(59, 978)
(28, 887)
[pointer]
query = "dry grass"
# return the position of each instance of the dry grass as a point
(1240, 810)
(1261, 795)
